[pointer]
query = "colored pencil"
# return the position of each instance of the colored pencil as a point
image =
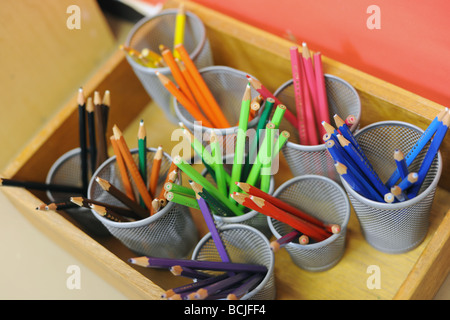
(197, 177)
(57, 206)
(181, 97)
(264, 207)
(216, 205)
(122, 169)
(219, 170)
(177, 74)
(277, 244)
(109, 214)
(142, 154)
(248, 285)
(82, 138)
(408, 181)
(190, 287)
(432, 152)
(255, 171)
(308, 93)
(32, 185)
(278, 115)
(178, 188)
(132, 167)
(180, 25)
(297, 77)
(90, 109)
(398, 193)
(266, 169)
(239, 151)
(86, 203)
(420, 144)
(310, 76)
(213, 288)
(252, 190)
(189, 273)
(183, 199)
(258, 86)
(399, 158)
(156, 262)
(209, 220)
(122, 197)
(214, 107)
(154, 177)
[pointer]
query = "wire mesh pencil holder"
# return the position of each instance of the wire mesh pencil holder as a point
(343, 100)
(244, 244)
(227, 85)
(66, 171)
(252, 218)
(150, 33)
(168, 233)
(394, 227)
(325, 200)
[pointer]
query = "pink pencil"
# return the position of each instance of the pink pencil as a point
(258, 86)
(322, 107)
(296, 67)
(309, 112)
(309, 73)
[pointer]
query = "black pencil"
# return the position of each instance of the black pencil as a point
(100, 127)
(91, 129)
(40, 186)
(82, 136)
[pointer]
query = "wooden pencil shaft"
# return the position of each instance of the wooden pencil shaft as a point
(122, 170)
(156, 167)
(41, 186)
(203, 86)
(188, 272)
(182, 199)
(86, 203)
(180, 23)
(155, 262)
(401, 164)
(122, 197)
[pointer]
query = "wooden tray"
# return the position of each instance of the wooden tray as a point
(413, 275)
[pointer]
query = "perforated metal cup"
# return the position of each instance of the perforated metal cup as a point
(244, 244)
(402, 226)
(325, 200)
(343, 100)
(252, 218)
(227, 85)
(150, 32)
(169, 233)
(66, 171)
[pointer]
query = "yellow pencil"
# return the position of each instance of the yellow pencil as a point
(179, 29)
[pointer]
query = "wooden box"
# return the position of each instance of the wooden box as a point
(413, 275)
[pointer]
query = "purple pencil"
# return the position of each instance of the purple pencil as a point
(210, 223)
(248, 285)
(155, 262)
(189, 273)
(191, 287)
(218, 286)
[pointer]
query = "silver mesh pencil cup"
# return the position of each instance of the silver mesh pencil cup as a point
(66, 171)
(325, 200)
(402, 226)
(227, 85)
(168, 233)
(244, 244)
(150, 32)
(252, 218)
(343, 100)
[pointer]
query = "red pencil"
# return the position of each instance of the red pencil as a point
(248, 188)
(266, 208)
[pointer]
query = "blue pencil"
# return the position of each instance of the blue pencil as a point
(363, 165)
(408, 181)
(431, 154)
(420, 144)
(335, 153)
(400, 161)
(354, 182)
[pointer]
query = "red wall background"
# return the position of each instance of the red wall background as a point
(411, 49)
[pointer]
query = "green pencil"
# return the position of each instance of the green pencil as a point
(197, 177)
(256, 169)
(219, 170)
(240, 141)
(142, 152)
(267, 160)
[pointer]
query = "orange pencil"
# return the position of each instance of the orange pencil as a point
(122, 169)
(132, 167)
(155, 170)
(176, 73)
(192, 109)
(215, 109)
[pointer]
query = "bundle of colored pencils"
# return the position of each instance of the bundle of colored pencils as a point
(303, 222)
(254, 166)
(354, 167)
(214, 279)
(310, 95)
(151, 59)
(145, 181)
